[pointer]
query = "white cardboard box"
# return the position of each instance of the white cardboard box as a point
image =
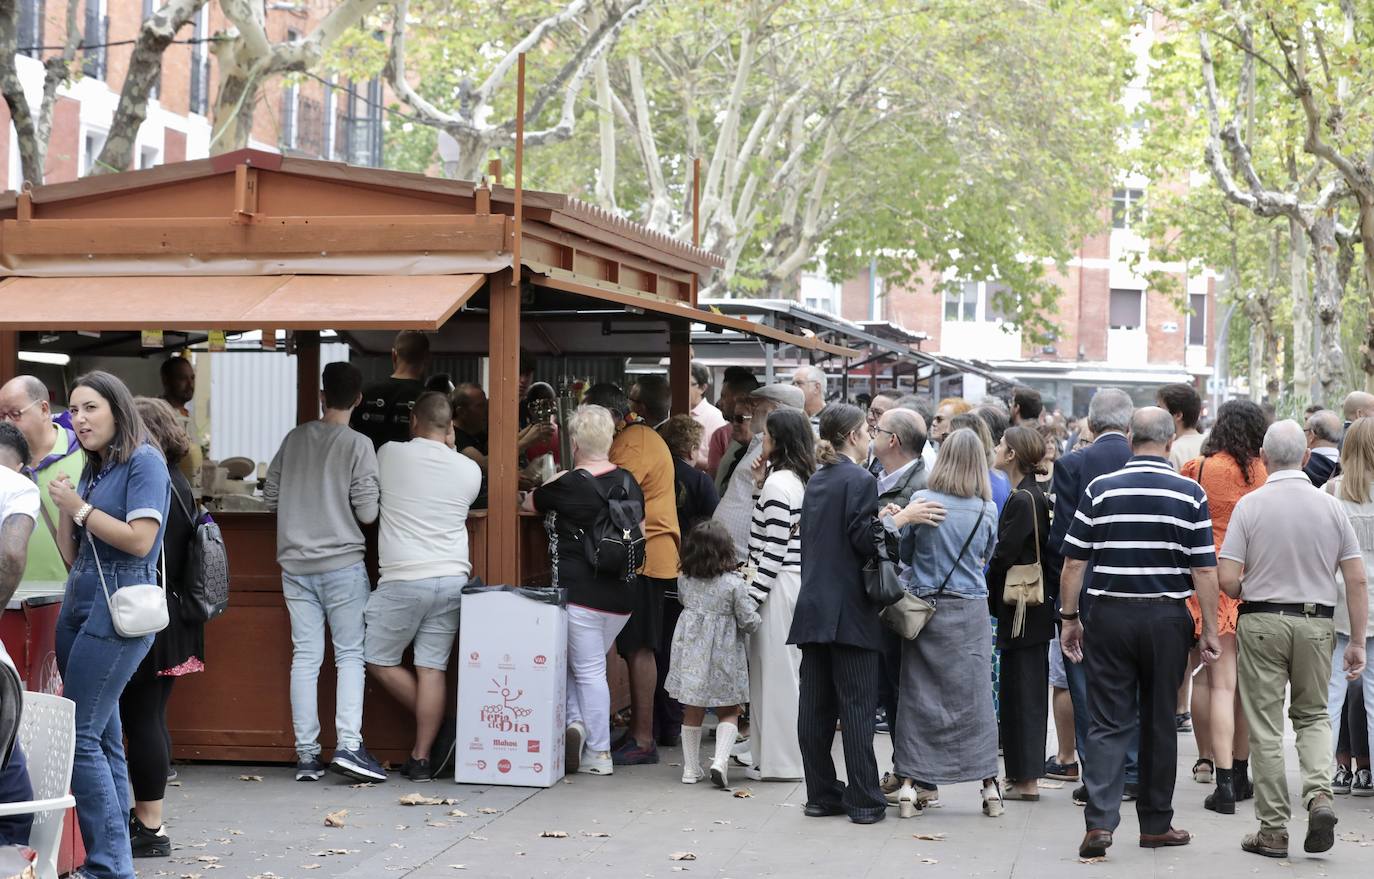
(512, 688)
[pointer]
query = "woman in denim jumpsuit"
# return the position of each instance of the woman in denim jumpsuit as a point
(112, 524)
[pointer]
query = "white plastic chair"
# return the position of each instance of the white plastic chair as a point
(47, 733)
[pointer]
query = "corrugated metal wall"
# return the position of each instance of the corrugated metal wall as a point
(253, 400)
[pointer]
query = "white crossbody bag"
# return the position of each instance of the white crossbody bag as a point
(138, 609)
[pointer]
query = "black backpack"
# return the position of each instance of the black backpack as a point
(205, 582)
(614, 544)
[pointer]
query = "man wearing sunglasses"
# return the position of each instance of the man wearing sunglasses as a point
(53, 453)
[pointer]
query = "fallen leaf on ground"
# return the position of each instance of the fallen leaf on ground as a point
(458, 813)
(478, 838)
(360, 785)
(207, 859)
(596, 833)
(929, 837)
(487, 810)
(1052, 785)
(250, 778)
(236, 833)
(324, 853)
(720, 821)
(436, 823)
(929, 861)
(682, 856)
(421, 800)
(335, 819)
(554, 834)
(1091, 860)
(742, 793)
(310, 866)
(458, 866)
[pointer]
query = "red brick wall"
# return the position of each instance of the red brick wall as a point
(1159, 310)
(173, 146)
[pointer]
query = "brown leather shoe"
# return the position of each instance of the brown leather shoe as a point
(1321, 825)
(1270, 843)
(1165, 840)
(1095, 844)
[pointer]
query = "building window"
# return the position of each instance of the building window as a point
(360, 126)
(94, 36)
(200, 63)
(962, 304)
(91, 145)
(1125, 311)
(30, 35)
(1128, 207)
(1197, 319)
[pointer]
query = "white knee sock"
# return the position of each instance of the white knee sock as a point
(726, 733)
(691, 750)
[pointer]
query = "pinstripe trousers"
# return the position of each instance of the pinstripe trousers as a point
(840, 683)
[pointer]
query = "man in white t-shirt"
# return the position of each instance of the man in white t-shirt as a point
(422, 547)
(19, 499)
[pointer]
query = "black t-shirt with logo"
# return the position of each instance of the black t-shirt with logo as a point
(384, 414)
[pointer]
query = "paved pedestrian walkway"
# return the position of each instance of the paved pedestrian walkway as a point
(227, 824)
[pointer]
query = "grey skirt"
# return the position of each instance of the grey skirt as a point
(946, 729)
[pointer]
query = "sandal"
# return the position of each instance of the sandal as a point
(992, 799)
(1203, 770)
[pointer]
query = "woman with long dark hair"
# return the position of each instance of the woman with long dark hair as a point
(1023, 632)
(836, 625)
(775, 560)
(110, 532)
(1229, 469)
(177, 650)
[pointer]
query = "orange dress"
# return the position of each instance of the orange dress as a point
(1224, 484)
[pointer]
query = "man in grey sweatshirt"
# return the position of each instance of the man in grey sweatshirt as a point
(322, 484)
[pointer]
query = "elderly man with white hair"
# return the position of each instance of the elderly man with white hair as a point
(811, 381)
(1284, 545)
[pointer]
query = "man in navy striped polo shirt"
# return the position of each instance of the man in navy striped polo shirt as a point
(1148, 534)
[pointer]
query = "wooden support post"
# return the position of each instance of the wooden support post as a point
(680, 365)
(503, 420)
(503, 409)
(9, 355)
(307, 375)
(494, 172)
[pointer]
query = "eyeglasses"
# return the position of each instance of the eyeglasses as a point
(14, 414)
(740, 418)
(888, 432)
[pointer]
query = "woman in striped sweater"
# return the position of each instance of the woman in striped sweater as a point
(789, 459)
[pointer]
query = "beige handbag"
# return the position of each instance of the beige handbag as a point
(1025, 585)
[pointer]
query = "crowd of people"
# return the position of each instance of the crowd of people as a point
(1129, 574)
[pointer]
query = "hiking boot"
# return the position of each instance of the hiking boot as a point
(1270, 843)
(1321, 825)
(1223, 799)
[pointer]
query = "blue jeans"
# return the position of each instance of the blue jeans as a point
(96, 663)
(1077, 677)
(1336, 690)
(338, 598)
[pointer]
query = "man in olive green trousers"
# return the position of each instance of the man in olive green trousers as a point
(1283, 546)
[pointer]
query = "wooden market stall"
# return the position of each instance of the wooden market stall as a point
(254, 241)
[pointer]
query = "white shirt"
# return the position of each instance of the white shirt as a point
(736, 508)
(711, 420)
(18, 495)
(427, 490)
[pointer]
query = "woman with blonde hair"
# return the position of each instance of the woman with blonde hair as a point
(947, 729)
(1354, 488)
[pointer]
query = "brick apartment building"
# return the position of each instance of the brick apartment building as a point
(308, 118)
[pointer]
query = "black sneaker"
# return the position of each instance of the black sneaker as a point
(418, 771)
(1342, 781)
(442, 751)
(1080, 795)
(358, 765)
(1130, 793)
(147, 843)
(309, 769)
